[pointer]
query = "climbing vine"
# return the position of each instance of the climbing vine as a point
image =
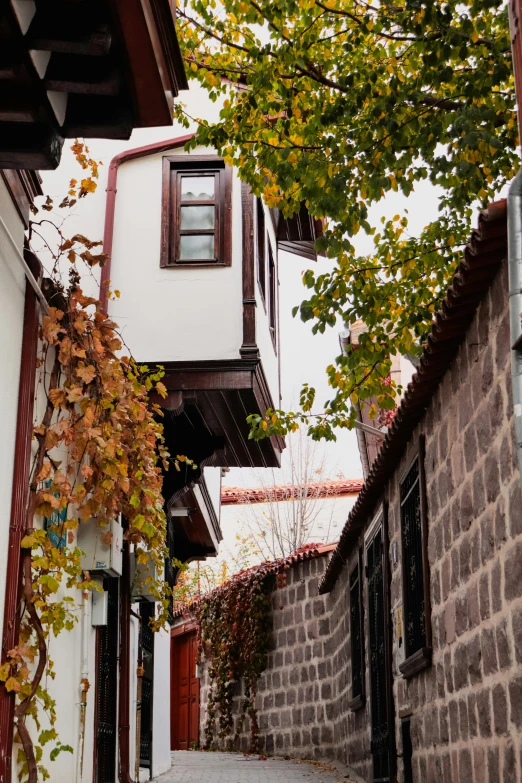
(98, 450)
(234, 628)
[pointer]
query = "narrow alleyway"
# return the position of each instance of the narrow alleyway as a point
(197, 767)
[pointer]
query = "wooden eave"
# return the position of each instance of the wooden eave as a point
(224, 393)
(90, 68)
(198, 534)
(298, 233)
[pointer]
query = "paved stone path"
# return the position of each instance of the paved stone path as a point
(197, 767)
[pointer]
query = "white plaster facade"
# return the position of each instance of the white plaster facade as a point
(165, 315)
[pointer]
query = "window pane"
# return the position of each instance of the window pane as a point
(193, 218)
(197, 188)
(201, 247)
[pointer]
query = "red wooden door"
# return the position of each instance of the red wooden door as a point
(184, 700)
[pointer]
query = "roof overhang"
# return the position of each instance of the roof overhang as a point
(194, 523)
(90, 68)
(297, 234)
(217, 396)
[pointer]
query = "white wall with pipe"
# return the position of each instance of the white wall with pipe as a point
(161, 704)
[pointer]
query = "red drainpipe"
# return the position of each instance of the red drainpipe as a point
(19, 497)
(125, 597)
(110, 204)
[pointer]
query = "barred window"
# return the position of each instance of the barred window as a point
(356, 637)
(417, 630)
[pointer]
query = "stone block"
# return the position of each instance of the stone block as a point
(513, 572)
(484, 713)
(493, 765)
(515, 701)
(484, 596)
(503, 645)
(474, 660)
(500, 710)
(489, 651)
(465, 766)
(454, 721)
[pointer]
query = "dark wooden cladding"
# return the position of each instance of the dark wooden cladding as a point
(412, 566)
(23, 187)
(117, 64)
(380, 728)
(483, 255)
(21, 469)
(225, 393)
(105, 692)
(124, 670)
(299, 233)
(357, 636)
(249, 348)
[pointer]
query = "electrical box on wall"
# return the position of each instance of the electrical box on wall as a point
(102, 547)
(99, 608)
(141, 574)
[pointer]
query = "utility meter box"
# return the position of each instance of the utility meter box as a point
(141, 573)
(99, 608)
(102, 547)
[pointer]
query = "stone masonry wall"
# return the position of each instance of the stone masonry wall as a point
(467, 707)
(465, 710)
(294, 694)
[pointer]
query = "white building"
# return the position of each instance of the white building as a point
(195, 257)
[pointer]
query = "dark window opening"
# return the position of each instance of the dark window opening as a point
(356, 637)
(196, 215)
(407, 751)
(412, 565)
(272, 303)
(261, 244)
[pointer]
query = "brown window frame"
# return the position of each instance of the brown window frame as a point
(175, 167)
(419, 658)
(261, 243)
(272, 294)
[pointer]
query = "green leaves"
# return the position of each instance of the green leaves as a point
(345, 104)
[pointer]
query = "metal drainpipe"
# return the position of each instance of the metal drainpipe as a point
(515, 302)
(84, 682)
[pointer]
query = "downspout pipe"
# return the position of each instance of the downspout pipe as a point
(515, 302)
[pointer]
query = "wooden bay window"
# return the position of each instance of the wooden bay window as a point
(196, 212)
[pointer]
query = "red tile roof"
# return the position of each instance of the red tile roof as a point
(483, 255)
(322, 489)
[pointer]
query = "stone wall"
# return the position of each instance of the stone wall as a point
(295, 692)
(465, 710)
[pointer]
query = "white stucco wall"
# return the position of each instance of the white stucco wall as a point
(12, 295)
(170, 314)
(161, 704)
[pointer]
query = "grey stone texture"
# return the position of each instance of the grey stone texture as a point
(197, 767)
(466, 708)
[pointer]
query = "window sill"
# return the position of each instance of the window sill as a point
(416, 663)
(357, 703)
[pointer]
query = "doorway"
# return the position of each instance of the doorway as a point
(378, 660)
(106, 697)
(184, 700)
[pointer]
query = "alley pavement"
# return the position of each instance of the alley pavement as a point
(198, 767)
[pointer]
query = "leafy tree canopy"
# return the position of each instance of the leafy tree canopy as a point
(339, 103)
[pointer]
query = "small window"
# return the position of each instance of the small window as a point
(417, 629)
(196, 212)
(261, 244)
(272, 303)
(356, 638)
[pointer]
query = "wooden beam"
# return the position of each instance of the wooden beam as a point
(82, 74)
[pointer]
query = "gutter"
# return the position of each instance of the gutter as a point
(515, 302)
(110, 203)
